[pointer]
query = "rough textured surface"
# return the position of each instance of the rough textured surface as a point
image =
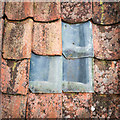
(106, 12)
(13, 106)
(76, 105)
(46, 11)
(15, 76)
(44, 106)
(107, 77)
(1, 9)
(17, 39)
(47, 38)
(105, 106)
(1, 32)
(74, 12)
(18, 10)
(106, 40)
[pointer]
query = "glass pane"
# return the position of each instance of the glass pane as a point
(45, 74)
(77, 40)
(77, 75)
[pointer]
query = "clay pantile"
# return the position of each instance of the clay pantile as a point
(40, 11)
(105, 106)
(106, 41)
(18, 10)
(47, 38)
(75, 12)
(106, 77)
(1, 32)
(44, 106)
(2, 5)
(106, 12)
(17, 39)
(46, 11)
(76, 105)
(13, 106)
(15, 76)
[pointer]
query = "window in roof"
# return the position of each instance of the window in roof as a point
(45, 74)
(71, 72)
(77, 57)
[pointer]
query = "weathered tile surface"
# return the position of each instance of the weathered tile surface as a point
(106, 77)
(106, 41)
(15, 76)
(105, 106)
(106, 12)
(1, 32)
(13, 106)
(17, 39)
(44, 106)
(47, 38)
(18, 10)
(76, 105)
(2, 4)
(46, 11)
(74, 12)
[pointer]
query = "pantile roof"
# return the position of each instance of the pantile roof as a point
(27, 27)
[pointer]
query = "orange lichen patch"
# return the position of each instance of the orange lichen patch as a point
(76, 105)
(13, 106)
(75, 12)
(106, 41)
(46, 11)
(105, 106)
(44, 106)
(106, 12)
(47, 38)
(106, 77)
(17, 39)
(18, 10)
(15, 76)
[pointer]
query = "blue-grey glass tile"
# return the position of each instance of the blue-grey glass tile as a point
(77, 40)
(77, 75)
(45, 74)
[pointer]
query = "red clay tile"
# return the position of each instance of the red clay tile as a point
(74, 12)
(15, 76)
(18, 10)
(105, 106)
(2, 4)
(46, 11)
(106, 41)
(106, 12)
(13, 106)
(47, 38)
(17, 39)
(1, 32)
(76, 105)
(44, 106)
(106, 77)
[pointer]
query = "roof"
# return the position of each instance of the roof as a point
(28, 27)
